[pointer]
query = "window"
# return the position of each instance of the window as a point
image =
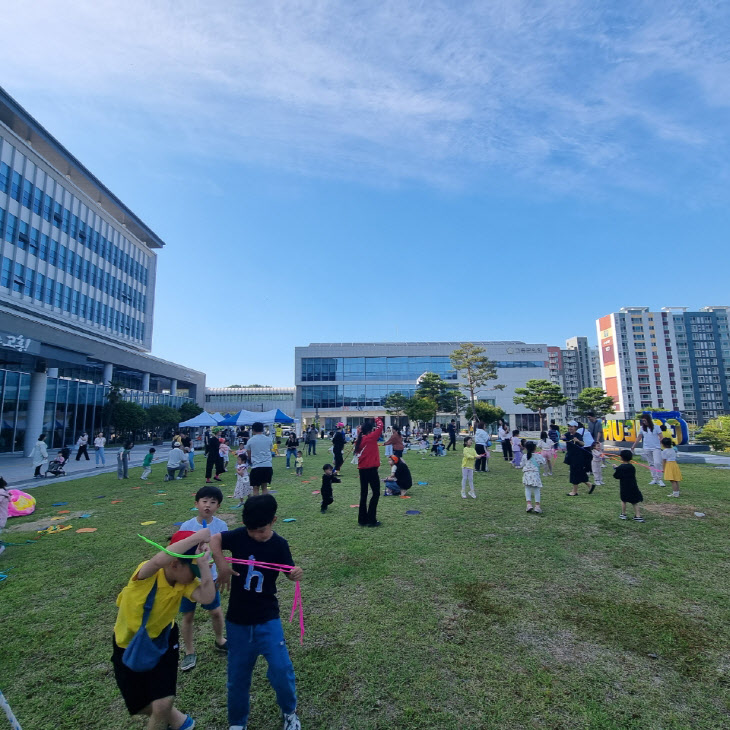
(11, 227)
(39, 286)
(19, 278)
(5, 273)
(38, 201)
(48, 293)
(27, 193)
(4, 177)
(15, 186)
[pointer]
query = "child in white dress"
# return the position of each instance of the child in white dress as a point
(597, 461)
(243, 484)
(531, 476)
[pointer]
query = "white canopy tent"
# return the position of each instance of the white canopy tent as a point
(201, 420)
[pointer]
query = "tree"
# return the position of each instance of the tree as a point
(595, 401)
(421, 409)
(472, 363)
(396, 404)
(716, 433)
(188, 411)
(539, 395)
(486, 412)
(128, 417)
(235, 385)
(447, 395)
(161, 416)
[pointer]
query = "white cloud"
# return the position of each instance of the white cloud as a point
(556, 91)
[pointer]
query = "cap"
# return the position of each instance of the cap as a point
(572, 423)
(182, 535)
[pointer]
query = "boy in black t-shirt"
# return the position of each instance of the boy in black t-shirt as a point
(253, 625)
(328, 479)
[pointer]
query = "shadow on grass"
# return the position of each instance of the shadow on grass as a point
(482, 598)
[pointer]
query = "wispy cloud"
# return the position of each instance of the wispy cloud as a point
(564, 92)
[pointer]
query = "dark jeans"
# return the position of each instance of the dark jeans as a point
(480, 463)
(339, 460)
(398, 453)
(507, 449)
(289, 453)
(83, 449)
(214, 461)
(452, 442)
(311, 448)
(327, 498)
(37, 471)
(367, 515)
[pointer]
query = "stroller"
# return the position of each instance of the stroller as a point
(55, 467)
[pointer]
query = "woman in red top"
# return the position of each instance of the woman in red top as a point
(368, 462)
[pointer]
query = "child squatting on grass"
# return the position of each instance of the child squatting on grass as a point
(629, 489)
(253, 625)
(152, 596)
(672, 472)
(208, 500)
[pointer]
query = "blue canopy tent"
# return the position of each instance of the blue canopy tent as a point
(246, 418)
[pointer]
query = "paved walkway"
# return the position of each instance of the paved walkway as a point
(18, 470)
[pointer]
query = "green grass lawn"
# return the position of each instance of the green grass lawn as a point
(470, 615)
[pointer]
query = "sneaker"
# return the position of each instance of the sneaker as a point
(291, 722)
(238, 727)
(538, 511)
(216, 479)
(472, 495)
(593, 486)
(189, 661)
(622, 517)
(369, 524)
(639, 519)
(463, 495)
(189, 723)
(653, 481)
(529, 509)
(207, 481)
(222, 648)
(661, 483)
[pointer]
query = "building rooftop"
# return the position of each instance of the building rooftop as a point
(50, 149)
(369, 344)
(249, 391)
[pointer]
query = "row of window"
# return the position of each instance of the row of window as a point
(247, 397)
(48, 249)
(42, 288)
(350, 396)
(35, 199)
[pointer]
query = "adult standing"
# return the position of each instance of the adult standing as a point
(504, 438)
(368, 462)
(595, 426)
(39, 455)
(292, 445)
(99, 444)
(396, 441)
(259, 456)
(312, 441)
(578, 442)
(82, 446)
(338, 444)
(481, 444)
(213, 458)
(451, 429)
(651, 435)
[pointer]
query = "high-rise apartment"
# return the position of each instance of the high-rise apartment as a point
(674, 359)
(573, 368)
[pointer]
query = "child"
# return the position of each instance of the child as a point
(596, 465)
(147, 464)
(629, 489)
(243, 483)
(467, 467)
(400, 479)
(224, 452)
(553, 434)
(328, 479)
(207, 500)
(151, 691)
(547, 451)
(671, 468)
(253, 625)
(4, 508)
(299, 464)
(530, 463)
(123, 460)
(516, 449)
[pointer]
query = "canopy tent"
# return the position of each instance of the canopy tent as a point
(202, 419)
(218, 416)
(246, 418)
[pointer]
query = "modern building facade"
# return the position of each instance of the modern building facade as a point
(77, 285)
(574, 367)
(231, 400)
(350, 381)
(674, 359)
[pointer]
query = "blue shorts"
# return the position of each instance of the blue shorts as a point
(186, 606)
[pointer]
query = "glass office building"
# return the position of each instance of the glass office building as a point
(77, 282)
(350, 381)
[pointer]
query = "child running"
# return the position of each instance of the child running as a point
(531, 476)
(299, 464)
(243, 483)
(253, 625)
(596, 465)
(672, 472)
(147, 464)
(547, 451)
(516, 449)
(467, 467)
(152, 596)
(629, 489)
(328, 479)
(207, 501)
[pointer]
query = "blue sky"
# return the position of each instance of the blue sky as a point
(347, 171)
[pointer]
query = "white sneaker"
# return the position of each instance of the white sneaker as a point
(463, 495)
(661, 483)
(472, 495)
(291, 722)
(653, 481)
(673, 494)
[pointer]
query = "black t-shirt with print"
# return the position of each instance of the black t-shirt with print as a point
(253, 592)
